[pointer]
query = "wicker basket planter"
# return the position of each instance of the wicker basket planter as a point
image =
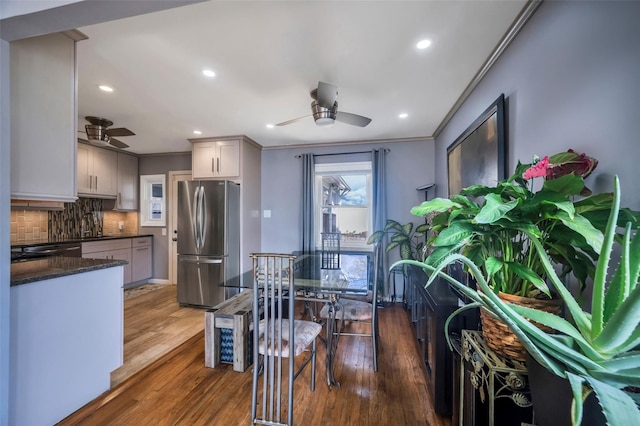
(499, 336)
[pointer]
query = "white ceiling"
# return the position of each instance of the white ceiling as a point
(268, 55)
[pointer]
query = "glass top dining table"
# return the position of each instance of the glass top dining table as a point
(314, 283)
(350, 277)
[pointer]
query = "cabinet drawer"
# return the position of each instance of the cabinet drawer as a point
(97, 246)
(141, 242)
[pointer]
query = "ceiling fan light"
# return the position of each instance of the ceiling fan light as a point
(325, 121)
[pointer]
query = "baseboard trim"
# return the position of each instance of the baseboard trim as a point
(158, 281)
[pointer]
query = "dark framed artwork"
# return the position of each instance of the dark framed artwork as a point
(478, 155)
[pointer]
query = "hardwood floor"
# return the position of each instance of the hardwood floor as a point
(154, 324)
(178, 389)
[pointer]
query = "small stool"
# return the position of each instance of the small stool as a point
(234, 314)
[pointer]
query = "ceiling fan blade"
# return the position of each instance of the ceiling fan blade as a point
(354, 119)
(118, 144)
(284, 123)
(119, 131)
(327, 94)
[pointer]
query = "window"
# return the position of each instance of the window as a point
(343, 203)
(152, 205)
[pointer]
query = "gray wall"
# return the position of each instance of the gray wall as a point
(409, 165)
(154, 165)
(571, 81)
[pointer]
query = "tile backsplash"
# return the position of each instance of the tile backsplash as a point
(83, 216)
(86, 214)
(112, 223)
(28, 225)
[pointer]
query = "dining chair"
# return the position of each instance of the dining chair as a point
(357, 310)
(279, 336)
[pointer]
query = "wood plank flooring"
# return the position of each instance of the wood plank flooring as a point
(154, 324)
(177, 389)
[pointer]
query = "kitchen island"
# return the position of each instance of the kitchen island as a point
(66, 335)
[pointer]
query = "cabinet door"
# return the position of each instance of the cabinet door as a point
(122, 254)
(105, 165)
(228, 159)
(43, 135)
(203, 160)
(127, 197)
(84, 175)
(141, 263)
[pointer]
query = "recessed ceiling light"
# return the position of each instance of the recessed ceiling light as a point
(423, 44)
(403, 115)
(197, 132)
(208, 73)
(105, 88)
(270, 126)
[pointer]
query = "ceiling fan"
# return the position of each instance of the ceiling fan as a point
(324, 108)
(99, 134)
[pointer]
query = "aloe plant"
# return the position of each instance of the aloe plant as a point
(597, 351)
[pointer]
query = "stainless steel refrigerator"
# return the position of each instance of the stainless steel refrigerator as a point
(208, 242)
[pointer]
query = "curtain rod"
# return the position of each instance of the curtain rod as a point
(342, 153)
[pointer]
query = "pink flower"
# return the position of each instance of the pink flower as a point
(537, 170)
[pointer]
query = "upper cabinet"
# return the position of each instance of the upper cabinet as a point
(43, 118)
(127, 197)
(215, 159)
(97, 172)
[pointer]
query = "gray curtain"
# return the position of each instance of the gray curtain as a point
(308, 175)
(379, 205)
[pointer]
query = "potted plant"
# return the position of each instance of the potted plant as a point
(493, 226)
(408, 239)
(596, 351)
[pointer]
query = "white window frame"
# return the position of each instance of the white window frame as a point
(147, 199)
(352, 168)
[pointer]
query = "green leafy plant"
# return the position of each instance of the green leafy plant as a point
(493, 226)
(596, 351)
(409, 240)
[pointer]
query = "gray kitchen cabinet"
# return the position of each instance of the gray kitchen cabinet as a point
(215, 159)
(111, 249)
(127, 196)
(141, 258)
(240, 159)
(43, 118)
(97, 171)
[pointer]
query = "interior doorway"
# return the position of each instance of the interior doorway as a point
(174, 178)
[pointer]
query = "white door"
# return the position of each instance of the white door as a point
(174, 178)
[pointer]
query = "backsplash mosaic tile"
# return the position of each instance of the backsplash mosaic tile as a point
(82, 218)
(86, 216)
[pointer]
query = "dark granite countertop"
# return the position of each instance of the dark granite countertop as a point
(54, 267)
(41, 241)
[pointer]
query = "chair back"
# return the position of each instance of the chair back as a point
(273, 302)
(331, 250)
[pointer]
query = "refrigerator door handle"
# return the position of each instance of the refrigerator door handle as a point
(200, 215)
(198, 259)
(203, 220)
(194, 216)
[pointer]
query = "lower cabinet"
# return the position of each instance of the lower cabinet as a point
(142, 258)
(429, 309)
(137, 251)
(110, 249)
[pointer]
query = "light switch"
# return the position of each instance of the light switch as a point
(164, 231)
(266, 213)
